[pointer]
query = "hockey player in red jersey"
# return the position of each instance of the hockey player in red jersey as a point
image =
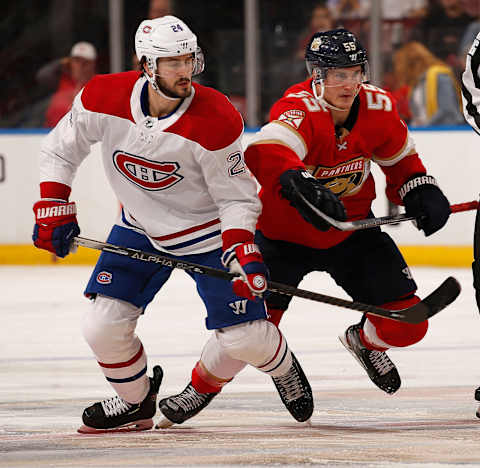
(322, 137)
(172, 153)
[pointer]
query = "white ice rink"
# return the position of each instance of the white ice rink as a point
(48, 375)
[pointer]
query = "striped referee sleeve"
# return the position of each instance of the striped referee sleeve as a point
(471, 86)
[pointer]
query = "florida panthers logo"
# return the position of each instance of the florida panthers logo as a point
(345, 179)
(148, 175)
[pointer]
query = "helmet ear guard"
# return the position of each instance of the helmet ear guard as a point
(199, 61)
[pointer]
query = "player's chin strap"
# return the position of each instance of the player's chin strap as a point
(151, 64)
(156, 88)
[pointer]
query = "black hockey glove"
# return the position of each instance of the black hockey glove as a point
(424, 201)
(295, 182)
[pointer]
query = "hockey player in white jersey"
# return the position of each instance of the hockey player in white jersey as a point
(471, 111)
(172, 154)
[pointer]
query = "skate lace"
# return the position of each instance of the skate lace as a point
(381, 362)
(189, 399)
(115, 406)
(289, 385)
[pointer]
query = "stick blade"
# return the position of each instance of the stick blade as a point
(443, 296)
(434, 303)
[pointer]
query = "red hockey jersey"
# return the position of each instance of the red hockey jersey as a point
(301, 134)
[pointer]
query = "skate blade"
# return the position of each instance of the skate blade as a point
(307, 423)
(164, 423)
(344, 342)
(142, 425)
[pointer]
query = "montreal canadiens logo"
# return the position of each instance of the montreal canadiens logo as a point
(104, 277)
(149, 175)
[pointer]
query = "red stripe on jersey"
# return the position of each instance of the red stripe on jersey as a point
(123, 364)
(110, 94)
(211, 120)
(187, 231)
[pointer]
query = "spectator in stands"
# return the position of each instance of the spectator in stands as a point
(398, 21)
(321, 19)
(67, 76)
(442, 28)
(433, 90)
(396, 10)
(349, 9)
(158, 8)
(467, 39)
(352, 14)
(472, 7)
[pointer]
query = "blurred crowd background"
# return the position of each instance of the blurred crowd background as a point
(51, 48)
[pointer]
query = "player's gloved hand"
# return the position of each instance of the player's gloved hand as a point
(55, 225)
(424, 201)
(295, 182)
(246, 261)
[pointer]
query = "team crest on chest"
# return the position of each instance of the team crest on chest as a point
(146, 174)
(345, 178)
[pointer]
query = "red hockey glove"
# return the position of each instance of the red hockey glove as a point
(55, 226)
(246, 261)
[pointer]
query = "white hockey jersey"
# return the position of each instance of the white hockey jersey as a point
(180, 179)
(471, 86)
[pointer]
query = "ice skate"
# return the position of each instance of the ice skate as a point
(117, 415)
(178, 408)
(379, 367)
(295, 392)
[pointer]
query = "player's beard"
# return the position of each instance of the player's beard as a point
(170, 91)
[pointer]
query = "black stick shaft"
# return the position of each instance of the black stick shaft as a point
(206, 270)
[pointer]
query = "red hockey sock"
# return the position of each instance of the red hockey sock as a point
(275, 315)
(205, 382)
(367, 343)
(399, 334)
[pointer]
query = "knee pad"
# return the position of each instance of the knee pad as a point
(252, 342)
(109, 328)
(399, 334)
(218, 363)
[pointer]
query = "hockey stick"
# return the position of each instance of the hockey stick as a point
(374, 222)
(444, 295)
